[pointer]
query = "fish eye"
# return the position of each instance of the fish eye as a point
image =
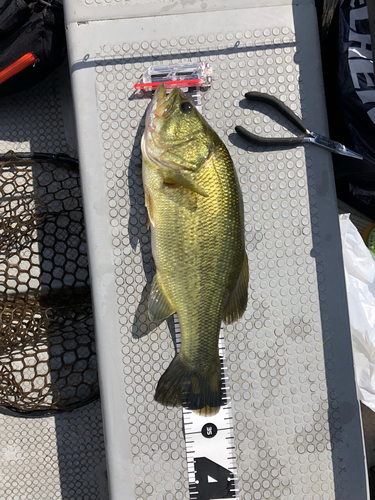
(186, 107)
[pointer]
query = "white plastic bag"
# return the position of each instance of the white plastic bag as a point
(360, 285)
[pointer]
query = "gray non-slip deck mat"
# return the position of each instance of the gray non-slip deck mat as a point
(51, 457)
(295, 412)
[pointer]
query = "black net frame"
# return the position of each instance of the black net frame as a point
(47, 341)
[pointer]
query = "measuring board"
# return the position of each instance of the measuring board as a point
(296, 423)
(210, 447)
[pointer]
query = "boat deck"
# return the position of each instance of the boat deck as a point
(297, 425)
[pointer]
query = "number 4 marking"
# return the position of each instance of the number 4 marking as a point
(212, 481)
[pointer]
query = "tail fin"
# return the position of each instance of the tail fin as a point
(200, 390)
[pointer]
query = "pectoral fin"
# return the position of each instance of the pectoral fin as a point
(186, 180)
(236, 303)
(159, 306)
(150, 209)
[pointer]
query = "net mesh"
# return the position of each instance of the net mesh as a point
(47, 345)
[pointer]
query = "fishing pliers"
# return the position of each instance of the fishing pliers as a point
(304, 136)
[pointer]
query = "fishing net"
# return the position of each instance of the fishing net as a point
(47, 345)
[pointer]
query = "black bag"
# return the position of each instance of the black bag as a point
(32, 42)
(356, 78)
(355, 179)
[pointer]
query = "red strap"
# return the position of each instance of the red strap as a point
(14, 68)
(171, 83)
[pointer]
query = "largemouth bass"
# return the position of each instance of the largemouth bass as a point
(195, 212)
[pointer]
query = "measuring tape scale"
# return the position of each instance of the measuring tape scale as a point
(210, 449)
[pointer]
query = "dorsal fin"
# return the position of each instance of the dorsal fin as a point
(236, 303)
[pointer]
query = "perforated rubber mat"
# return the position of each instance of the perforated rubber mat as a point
(289, 358)
(275, 365)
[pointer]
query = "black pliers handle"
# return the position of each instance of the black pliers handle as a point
(285, 111)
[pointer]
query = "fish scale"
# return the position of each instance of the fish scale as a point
(179, 250)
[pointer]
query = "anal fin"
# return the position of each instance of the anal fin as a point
(159, 307)
(236, 303)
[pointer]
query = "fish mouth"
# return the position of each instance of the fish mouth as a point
(158, 99)
(160, 107)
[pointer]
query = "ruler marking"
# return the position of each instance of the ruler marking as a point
(199, 432)
(198, 446)
(199, 456)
